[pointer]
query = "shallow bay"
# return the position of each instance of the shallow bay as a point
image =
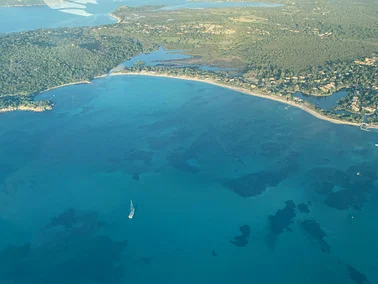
(201, 164)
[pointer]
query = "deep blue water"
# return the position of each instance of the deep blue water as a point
(228, 188)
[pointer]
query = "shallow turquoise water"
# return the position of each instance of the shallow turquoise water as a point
(199, 162)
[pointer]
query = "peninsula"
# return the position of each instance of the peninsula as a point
(315, 48)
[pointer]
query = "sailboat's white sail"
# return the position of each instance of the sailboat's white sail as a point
(132, 210)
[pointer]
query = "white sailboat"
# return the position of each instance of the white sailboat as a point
(132, 210)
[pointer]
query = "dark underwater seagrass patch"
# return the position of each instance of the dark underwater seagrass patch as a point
(283, 218)
(242, 239)
(357, 276)
(73, 253)
(343, 190)
(313, 229)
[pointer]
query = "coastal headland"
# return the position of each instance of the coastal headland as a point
(206, 81)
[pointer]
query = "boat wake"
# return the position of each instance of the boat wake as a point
(132, 210)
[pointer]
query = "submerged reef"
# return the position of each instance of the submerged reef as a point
(241, 240)
(357, 276)
(313, 229)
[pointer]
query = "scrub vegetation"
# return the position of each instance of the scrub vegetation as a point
(311, 47)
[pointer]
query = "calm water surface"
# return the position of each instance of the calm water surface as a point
(173, 58)
(18, 19)
(324, 102)
(228, 188)
(157, 57)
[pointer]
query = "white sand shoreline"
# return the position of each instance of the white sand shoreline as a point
(247, 92)
(115, 17)
(66, 85)
(212, 82)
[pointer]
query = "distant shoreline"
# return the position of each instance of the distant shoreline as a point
(29, 5)
(115, 17)
(68, 84)
(24, 108)
(211, 82)
(39, 108)
(39, 5)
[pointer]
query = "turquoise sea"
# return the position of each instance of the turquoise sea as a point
(228, 188)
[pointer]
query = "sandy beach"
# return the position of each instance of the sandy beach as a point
(247, 92)
(115, 17)
(65, 85)
(255, 93)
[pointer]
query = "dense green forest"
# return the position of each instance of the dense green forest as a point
(32, 62)
(290, 36)
(311, 47)
(315, 48)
